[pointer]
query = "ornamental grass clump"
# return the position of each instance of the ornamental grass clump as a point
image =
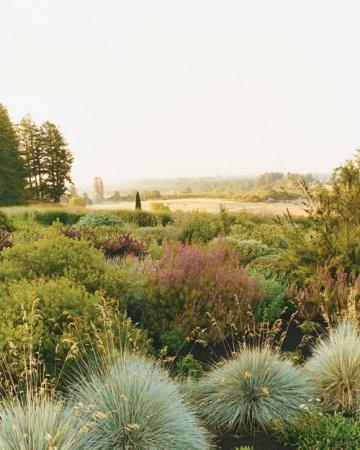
(251, 391)
(38, 424)
(334, 369)
(131, 403)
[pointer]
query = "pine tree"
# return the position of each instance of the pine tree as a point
(12, 172)
(31, 152)
(57, 161)
(137, 201)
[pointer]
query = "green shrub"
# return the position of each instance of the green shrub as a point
(49, 216)
(99, 220)
(268, 266)
(59, 315)
(274, 302)
(38, 424)
(249, 249)
(55, 257)
(172, 339)
(165, 218)
(138, 217)
(334, 214)
(125, 281)
(156, 207)
(6, 224)
(158, 234)
(322, 433)
(134, 404)
(198, 227)
(187, 367)
(251, 391)
(334, 369)
(78, 201)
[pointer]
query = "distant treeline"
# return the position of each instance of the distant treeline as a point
(268, 186)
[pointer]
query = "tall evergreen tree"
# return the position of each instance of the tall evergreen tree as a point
(11, 167)
(137, 201)
(57, 161)
(31, 151)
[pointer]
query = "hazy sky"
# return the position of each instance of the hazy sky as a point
(149, 88)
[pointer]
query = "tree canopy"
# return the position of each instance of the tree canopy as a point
(11, 165)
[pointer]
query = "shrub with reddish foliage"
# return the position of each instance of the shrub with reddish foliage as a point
(77, 234)
(116, 246)
(124, 244)
(192, 284)
(5, 239)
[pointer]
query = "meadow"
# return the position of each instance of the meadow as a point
(191, 324)
(211, 205)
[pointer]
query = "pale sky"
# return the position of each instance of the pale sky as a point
(150, 88)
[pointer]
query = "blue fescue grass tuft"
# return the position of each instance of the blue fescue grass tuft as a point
(251, 391)
(132, 403)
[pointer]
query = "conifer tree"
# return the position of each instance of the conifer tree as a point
(12, 173)
(57, 161)
(31, 152)
(137, 201)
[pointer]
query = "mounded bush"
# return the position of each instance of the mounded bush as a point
(159, 207)
(55, 316)
(251, 391)
(6, 223)
(113, 245)
(198, 227)
(52, 258)
(37, 424)
(134, 404)
(158, 234)
(249, 249)
(122, 245)
(190, 281)
(78, 201)
(99, 220)
(49, 216)
(138, 217)
(334, 369)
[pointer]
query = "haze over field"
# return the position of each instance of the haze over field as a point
(161, 89)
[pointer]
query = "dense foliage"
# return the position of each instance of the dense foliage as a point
(12, 173)
(322, 433)
(192, 283)
(222, 302)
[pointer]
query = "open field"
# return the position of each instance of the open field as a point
(212, 205)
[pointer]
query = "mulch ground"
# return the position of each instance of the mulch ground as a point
(258, 442)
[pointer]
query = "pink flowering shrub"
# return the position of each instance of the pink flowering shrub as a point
(193, 284)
